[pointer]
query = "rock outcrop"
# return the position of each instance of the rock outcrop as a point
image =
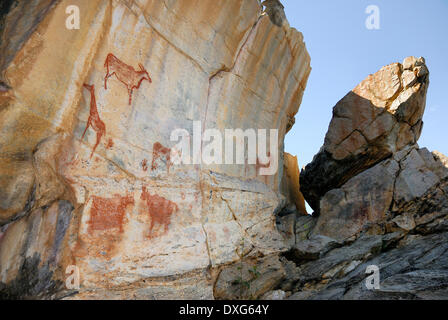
(383, 200)
(378, 118)
(276, 12)
(86, 116)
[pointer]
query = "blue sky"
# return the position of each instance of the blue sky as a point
(344, 52)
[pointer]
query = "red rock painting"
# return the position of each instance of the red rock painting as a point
(94, 120)
(144, 165)
(159, 209)
(110, 143)
(159, 152)
(107, 214)
(126, 74)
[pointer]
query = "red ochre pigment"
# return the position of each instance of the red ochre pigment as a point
(159, 210)
(145, 165)
(158, 152)
(126, 74)
(110, 143)
(106, 214)
(94, 120)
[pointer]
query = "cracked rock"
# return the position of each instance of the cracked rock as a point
(378, 118)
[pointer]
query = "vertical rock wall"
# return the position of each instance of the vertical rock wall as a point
(96, 155)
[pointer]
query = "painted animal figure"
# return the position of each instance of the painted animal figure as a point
(159, 209)
(130, 77)
(158, 152)
(94, 120)
(108, 214)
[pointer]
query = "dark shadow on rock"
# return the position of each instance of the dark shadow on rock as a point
(37, 279)
(18, 20)
(276, 12)
(325, 173)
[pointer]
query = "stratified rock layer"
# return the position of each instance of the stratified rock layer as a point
(94, 157)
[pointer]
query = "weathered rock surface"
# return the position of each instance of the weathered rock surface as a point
(249, 279)
(417, 270)
(31, 251)
(378, 118)
(69, 139)
(393, 189)
(275, 11)
(391, 213)
(409, 246)
(18, 20)
(366, 198)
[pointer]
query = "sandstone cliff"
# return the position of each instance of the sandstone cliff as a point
(86, 178)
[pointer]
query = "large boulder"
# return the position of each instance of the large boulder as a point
(381, 116)
(382, 200)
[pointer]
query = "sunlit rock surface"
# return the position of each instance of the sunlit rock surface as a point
(381, 116)
(382, 200)
(85, 176)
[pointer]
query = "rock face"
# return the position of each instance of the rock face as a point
(89, 180)
(18, 20)
(384, 203)
(86, 175)
(249, 279)
(378, 118)
(275, 11)
(291, 183)
(381, 193)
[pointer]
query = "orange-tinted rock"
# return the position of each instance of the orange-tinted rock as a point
(212, 62)
(291, 183)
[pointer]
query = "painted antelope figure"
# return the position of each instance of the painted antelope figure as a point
(94, 120)
(131, 78)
